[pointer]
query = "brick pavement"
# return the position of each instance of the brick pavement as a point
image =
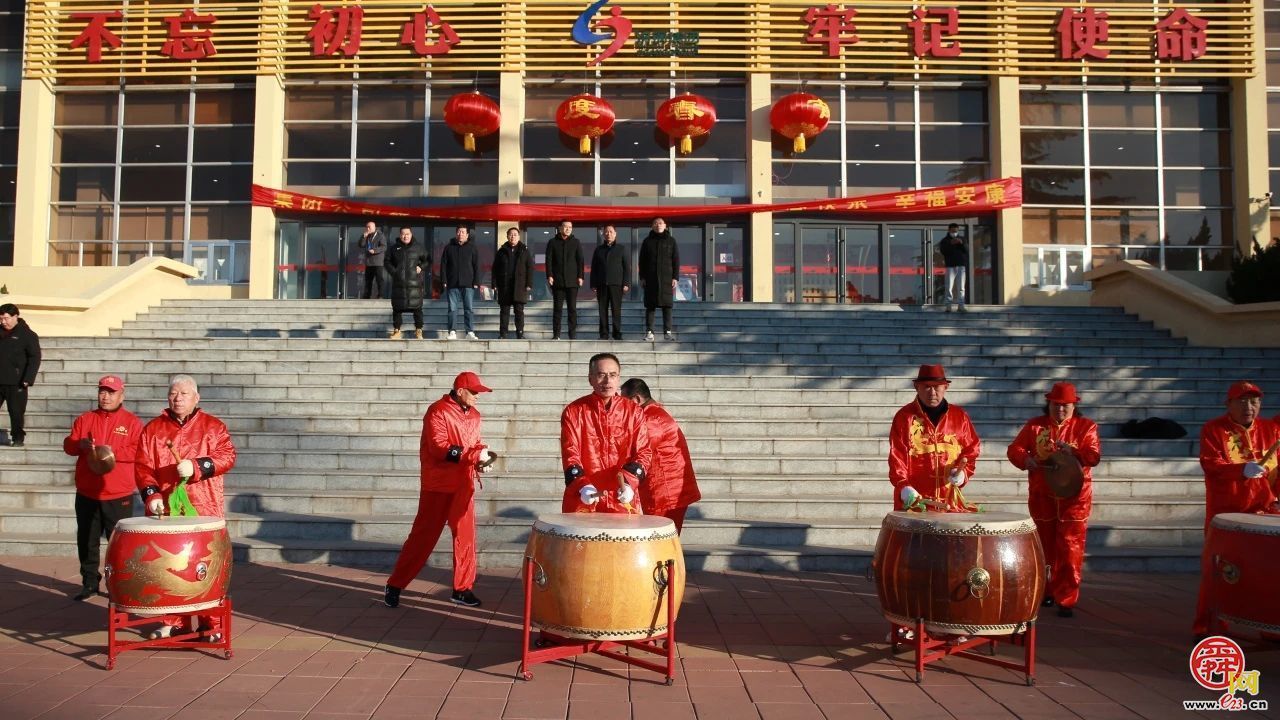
(316, 642)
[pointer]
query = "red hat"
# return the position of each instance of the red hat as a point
(932, 375)
(1063, 392)
(111, 382)
(1243, 388)
(469, 381)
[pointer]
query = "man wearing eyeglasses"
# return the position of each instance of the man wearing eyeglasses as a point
(604, 447)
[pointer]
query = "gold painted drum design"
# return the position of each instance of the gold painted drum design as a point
(963, 573)
(1245, 552)
(157, 566)
(600, 576)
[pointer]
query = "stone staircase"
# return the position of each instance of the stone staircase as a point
(786, 408)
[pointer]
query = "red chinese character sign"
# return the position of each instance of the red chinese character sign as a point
(584, 117)
(96, 34)
(335, 31)
(929, 29)
(416, 33)
(798, 116)
(189, 36)
(1181, 36)
(831, 26)
(1080, 33)
(472, 115)
(686, 117)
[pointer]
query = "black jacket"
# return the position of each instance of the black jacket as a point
(564, 261)
(609, 266)
(19, 355)
(460, 265)
(406, 284)
(659, 265)
(513, 285)
(954, 252)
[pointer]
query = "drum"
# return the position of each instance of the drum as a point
(963, 573)
(1245, 552)
(158, 566)
(601, 576)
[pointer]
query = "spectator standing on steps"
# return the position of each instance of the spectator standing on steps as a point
(460, 278)
(512, 281)
(409, 264)
(659, 273)
(373, 244)
(611, 278)
(564, 275)
(19, 363)
(955, 255)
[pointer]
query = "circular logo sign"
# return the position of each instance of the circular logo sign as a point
(1216, 661)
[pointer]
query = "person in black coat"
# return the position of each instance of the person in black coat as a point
(659, 271)
(409, 265)
(512, 281)
(460, 277)
(955, 255)
(564, 275)
(19, 363)
(373, 246)
(611, 278)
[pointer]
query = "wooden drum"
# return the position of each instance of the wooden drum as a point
(158, 566)
(963, 573)
(1245, 552)
(601, 576)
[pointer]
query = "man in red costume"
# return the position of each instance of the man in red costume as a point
(933, 447)
(672, 486)
(189, 448)
(102, 498)
(1060, 521)
(1236, 480)
(604, 445)
(452, 456)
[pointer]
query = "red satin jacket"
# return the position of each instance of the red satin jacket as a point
(600, 436)
(1037, 440)
(450, 446)
(671, 482)
(202, 436)
(1224, 449)
(922, 455)
(120, 430)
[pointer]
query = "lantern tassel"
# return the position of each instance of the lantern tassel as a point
(797, 145)
(469, 142)
(686, 144)
(584, 144)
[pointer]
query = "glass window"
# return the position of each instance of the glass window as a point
(317, 174)
(389, 102)
(865, 178)
(723, 178)
(401, 173)
(221, 182)
(1053, 147)
(86, 109)
(544, 178)
(1053, 226)
(934, 174)
(319, 141)
(82, 222)
(1124, 187)
(881, 142)
(802, 180)
(1198, 227)
(156, 108)
(880, 105)
(953, 105)
(1041, 186)
(153, 183)
(1126, 227)
(953, 142)
(544, 140)
(1052, 109)
(1197, 187)
(85, 184)
(223, 144)
(635, 177)
(390, 141)
(219, 222)
(784, 259)
(1122, 109)
(85, 146)
(1195, 110)
(152, 222)
(225, 107)
(154, 145)
(1205, 148)
(1128, 148)
(317, 103)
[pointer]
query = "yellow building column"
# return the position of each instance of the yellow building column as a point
(268, 170)
(760, 184)
(1249, 155)
(510, 157)
(35, 175)
(1004, 109)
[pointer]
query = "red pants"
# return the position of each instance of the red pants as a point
(1204, 619)
(208, 623)
(1063, 541)
(435, 509)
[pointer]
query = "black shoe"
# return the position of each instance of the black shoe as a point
(604, 336)
(1048, 601)
(391, 596)
(617, 336)
(1065, 612)
(520, 335)
(555, 336)
(16, 443)
(465, 597)
(502, 336)
(85, 593)
(573, 336)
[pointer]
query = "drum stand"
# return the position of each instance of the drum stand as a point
(930, 650)
(119, 619)
(552, 647)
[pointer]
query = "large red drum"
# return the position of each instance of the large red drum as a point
(158, 566)
(1245, 552)
(962, 573)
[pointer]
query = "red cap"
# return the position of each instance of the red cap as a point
(111, 382)
(1243, 388)
(932, 375)
(469, 381)
(1063, 392)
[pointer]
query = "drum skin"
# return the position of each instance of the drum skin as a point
(963, 573)
(158, 566)
(1245, 551)
(599, 576)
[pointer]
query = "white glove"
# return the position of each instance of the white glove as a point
(909, 496)
(958, 477)
(589, 495)
(626, 494)
(486, 455)
(155, 505)
(1254, 470)
(186, 469)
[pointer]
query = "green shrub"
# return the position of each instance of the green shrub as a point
(1255, 278)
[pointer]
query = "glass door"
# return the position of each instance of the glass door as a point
(322, 268)
(911, 266)
(861, 250)
(820, 264)
(728, 264)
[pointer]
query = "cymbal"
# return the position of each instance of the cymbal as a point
(102, 460)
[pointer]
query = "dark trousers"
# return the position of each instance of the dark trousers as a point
(561, 297)
(15, 396)
(666, 319)
(504, 318)
(375, 275)
(95, 519)
(609, 298)
(417, 318)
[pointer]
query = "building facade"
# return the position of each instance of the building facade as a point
(1138, 130)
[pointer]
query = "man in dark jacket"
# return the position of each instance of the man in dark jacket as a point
(373, 244)
(564, 275)
(409, 264)
(460, 277)
(610, 276)
(956, 257)
(512, 281)
(659, 272)
(19, 362)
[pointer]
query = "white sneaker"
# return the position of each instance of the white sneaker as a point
(161, 632)
(472, 336)
(649, 336)
(451, 336)
(904, 635)
(669, 335)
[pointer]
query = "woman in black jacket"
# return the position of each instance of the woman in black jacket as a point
(409, 264)
(512, 281)
(659, 271)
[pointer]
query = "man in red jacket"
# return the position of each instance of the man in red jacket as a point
(451, 456)
(933, 447)
(188, 448)
(104, 494)
(1236, 480)
(672, 486)
(604, 446)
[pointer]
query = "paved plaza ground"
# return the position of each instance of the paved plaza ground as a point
(316, 642)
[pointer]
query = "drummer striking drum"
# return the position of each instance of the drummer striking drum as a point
(604, 445)
(933, 447)
(1060, 437)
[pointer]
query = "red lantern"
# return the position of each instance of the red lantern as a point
(472, 115)
(584, 117)
(799, 115)
(686, 116)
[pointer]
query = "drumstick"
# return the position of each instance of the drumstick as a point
(1271, 452)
